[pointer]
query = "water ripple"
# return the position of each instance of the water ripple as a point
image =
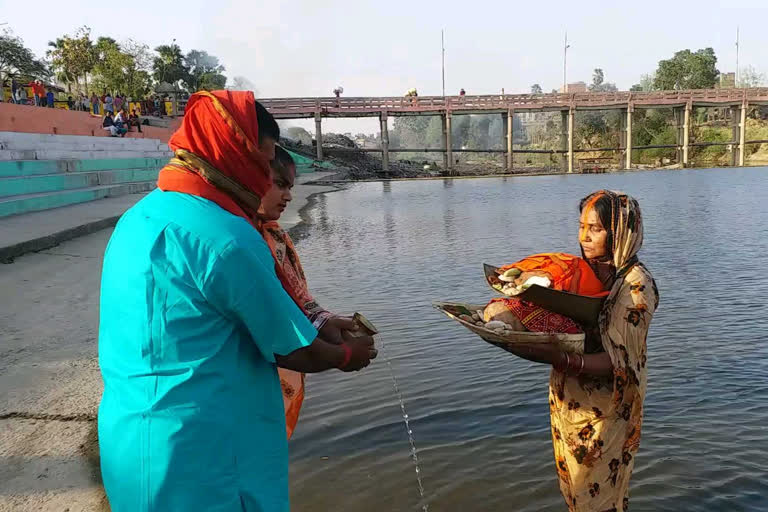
(479, 415)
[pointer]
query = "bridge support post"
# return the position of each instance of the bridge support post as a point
(571, 116)
(510, 136)
(686, 132)
(677, 113)
(443, 119)
(448, 149)
(564, 141)
(384, 142)
(735, 134)
(319, 135)
(743, 133)
(628, 146)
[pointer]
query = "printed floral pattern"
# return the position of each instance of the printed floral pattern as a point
(292, 383)
(597, 422)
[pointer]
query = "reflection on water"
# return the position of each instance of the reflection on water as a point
(480, 415)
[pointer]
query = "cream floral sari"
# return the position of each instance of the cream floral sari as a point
(596, 422)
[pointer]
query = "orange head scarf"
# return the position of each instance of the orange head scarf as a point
(218, 158)
(220, 127)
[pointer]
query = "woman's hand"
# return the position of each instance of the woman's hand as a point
(362, 352)
(547, 353)
(333, 330)
(339, 329)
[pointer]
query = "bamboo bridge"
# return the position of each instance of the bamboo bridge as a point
(738, 101)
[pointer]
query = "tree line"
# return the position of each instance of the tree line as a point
(84, 64)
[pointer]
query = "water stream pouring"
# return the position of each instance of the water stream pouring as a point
(414, 451)
(368, 326)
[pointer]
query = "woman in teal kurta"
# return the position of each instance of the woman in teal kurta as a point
(194, 322)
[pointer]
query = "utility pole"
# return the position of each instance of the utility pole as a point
(442, 45)
(565, 62)
(736, 84)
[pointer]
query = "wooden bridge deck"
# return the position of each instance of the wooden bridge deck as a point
(288, 108)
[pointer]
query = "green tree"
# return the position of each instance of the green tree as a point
(536, 89)
(72, 58)
(122, 68)
(688, 70)
(204, 72)
(16, 60)
(599, 84)
(645, 84)
(411, 131)
(750, 77)
(168, 66)
(241, 83)
(138, 78)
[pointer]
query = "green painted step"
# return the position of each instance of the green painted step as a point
(12, 168)
(118, 163)
(36, 202)
(65, 181)
(31, 167)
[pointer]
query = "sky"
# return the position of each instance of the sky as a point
(306, 48)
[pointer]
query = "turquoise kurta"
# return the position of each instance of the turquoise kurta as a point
(192, 314)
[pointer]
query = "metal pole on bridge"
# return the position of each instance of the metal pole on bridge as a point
(442, 44)
(565, 63)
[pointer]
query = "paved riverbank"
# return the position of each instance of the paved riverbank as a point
(49, 379)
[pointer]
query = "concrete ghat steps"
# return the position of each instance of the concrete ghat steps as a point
(35, 146)
(58, 154)
(15, 205)
(96, 144)
(21, 141)
(19, 168)
(18, 186)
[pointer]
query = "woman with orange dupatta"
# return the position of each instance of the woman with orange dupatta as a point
(596, 399)
(195, 318)
(280, 244)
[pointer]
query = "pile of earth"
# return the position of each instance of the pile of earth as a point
(356, 165)
(336, 139)
(353, 165)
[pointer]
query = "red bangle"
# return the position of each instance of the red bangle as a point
(347, 355)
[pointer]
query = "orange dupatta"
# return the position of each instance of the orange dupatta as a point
(567, 272)
(286, 257)
(217, 158)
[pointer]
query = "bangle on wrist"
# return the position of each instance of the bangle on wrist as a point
(347, 356)
(581, 369)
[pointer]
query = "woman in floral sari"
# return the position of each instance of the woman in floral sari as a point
(596, 399)
(272, 206)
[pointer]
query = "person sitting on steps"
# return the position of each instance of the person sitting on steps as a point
(134, 120)
(109, 125)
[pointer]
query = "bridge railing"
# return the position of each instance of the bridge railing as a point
(338, 106)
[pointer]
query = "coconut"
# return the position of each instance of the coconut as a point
(498, 311)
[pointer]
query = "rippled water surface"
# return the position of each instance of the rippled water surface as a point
(480, 415)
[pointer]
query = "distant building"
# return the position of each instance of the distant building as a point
(727, 80)
(575, 87)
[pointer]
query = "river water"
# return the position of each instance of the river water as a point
(479, 415)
